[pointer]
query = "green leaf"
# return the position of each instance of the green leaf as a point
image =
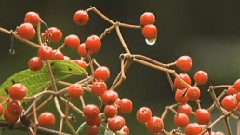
(82, 129)
(36, 81)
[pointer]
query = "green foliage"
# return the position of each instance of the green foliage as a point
(36, 81)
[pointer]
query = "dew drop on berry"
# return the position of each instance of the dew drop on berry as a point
(150, 41)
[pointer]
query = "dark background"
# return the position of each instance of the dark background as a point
(206, 30)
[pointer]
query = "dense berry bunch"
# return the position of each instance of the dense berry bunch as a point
(50, 69)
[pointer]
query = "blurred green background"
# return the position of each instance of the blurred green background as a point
(206, 30)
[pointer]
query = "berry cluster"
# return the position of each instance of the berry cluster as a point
(108, 117)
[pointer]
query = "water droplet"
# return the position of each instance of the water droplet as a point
(151, 41)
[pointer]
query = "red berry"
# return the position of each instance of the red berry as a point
(116, 123)
(229, 103)
(98, 88)
(53, 34)
(14, 108)
(82, 50)
(72, 41)
(57, 55)
(75, 90)
(184, 63)
(124, 105)
(92, 130)
(193, 93)
(46, 119)
(26, 31)
(35, 64)
(110, 111)
(93, 121)
(193, 129)
(11, 119)
(17, 91)
(93, 43)
(231, 90)
(144, 114)
(147, 18)
(109, 97)
(102, 73)
(81, 63)
(80, 17)
(91, 111)
(155, 124)
(178, 84)
(238, 97)
(149, 31)
(32, 17)
(200, 77)
(180, 97)
(181, 119)
(125, 129)
(1, 109)
(45, 52)
(202, 116)
(236, 84)
(185, 108)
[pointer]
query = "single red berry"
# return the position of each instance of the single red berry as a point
(102, 73)
(98, 88)
(231, 90)
(110, 111)
(82, 50)
(17, 91)
(229, 103)
(193, 93)
(92, 130)
(46, 119)
(180, 96)
(200, 77)
(147, 18)
(14, 107)
(75, 90)
(11, 119)
(26, 31)
(124, 105)
(91, 111)
(193, 129)
(181, 119)
(185, 108)
(238, 97)
(155, 124)
(109, 97)
(178, 84)
(184, 63)
(57, 55)
(93, 43)
(125, 129)
(80, 17)
(93, 121)
(144, 114)
(72, 41)
(236, 84)
(149, 31)
(53, 34)
(35, 64)
(202, 116)
(1, 109)
(116, 123)
(81, 63)
(32, 17)
(45, 52)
